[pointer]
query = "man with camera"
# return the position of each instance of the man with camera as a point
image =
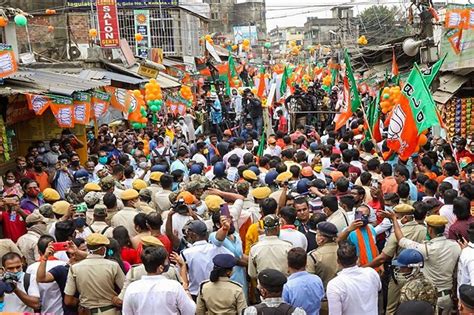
(23, 294)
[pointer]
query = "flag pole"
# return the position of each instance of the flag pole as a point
(441, 124)
(370, 131)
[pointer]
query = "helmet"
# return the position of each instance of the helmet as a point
(302, 186)
(195, 169)
(81, 173)
(219, 169)
(270, 177)
(255, 169)
(313, 146)
(409, 258)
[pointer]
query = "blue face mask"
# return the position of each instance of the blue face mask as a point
(103, 160)
(79, 222)
(2, 304)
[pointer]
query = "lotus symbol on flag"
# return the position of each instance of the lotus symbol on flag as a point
(38, 102)
(121, 95)
(396, 123)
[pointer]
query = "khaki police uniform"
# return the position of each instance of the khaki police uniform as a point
(441, 256)
(222, 297)
(270, 252)
(411, 230)
(323, 262)
(125, 218)
(95, 278)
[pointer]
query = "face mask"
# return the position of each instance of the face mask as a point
(41, 150)
(388, 208)
(75, 163)
(2, 304)
(17, 274)
(10, 181)
(318, 168)
(39, 169)
(33, 192)
(103, 160)
(142, 165)
(186, 160)
(206, 151)
(55, 148)
(79, 222)
(400, 277)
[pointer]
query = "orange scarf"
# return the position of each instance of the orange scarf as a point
(363, 255)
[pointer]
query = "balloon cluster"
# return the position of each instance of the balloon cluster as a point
(235, 47)
(390, 97)
(267, 45)
(362, 40)
(154, 98)
(209, 39)
(327, 80)
(187, 94)
(137, 111)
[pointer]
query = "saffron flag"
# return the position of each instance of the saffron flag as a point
(38, 103)
(99, 103)
(82, 108)
(351, 95)
(415, 113)
(261, 82)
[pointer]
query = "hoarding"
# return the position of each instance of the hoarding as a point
(86, 4)
(142, 26)
(108, 23)
(245, 32)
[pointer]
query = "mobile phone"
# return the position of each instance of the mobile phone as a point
(459, 237)
(374, 183)
(60, 246)
(357, 215)
(82, 207)
(225, 210)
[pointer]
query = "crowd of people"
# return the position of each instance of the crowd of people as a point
(193, 219)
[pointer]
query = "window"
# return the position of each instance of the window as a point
(214, 16)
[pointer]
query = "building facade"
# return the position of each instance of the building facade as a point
(280, 38)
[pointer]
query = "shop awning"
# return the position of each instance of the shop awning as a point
(166, 81)
(449, 84)
(56, 83)
(104, 75)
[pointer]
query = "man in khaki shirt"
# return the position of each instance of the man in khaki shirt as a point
(95, 278)
(125, 216)
(412, 230)
(27, 242)
(336, 215)
(440, 255)
(7, 246)
(270, 252)
(99, 225)
(323, 260)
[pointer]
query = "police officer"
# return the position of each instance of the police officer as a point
(95, 278)
(408, 273)
(323, 260)
(219, 294)
(440, 254)
(413, 231)
(154, 187)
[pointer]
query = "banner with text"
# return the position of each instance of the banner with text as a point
(108, 23)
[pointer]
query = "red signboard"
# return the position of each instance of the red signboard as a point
(108, 23)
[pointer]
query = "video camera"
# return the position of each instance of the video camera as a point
(9, 280)
(180, 207)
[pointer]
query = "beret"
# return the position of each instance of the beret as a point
(403, 208)
(226, 261)
(149, 240)
(188, 198)
(283, 177)
(261, 192)
(139, 184)
(34, 218)
(50, 194)
(129, 194)
(248, 174)
(436, 220)
(61, 207)
(213, 202)
(156, 176)
(96, 239)
(92, 187)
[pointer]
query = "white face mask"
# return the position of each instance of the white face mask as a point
(10, 181)
(41, 150)
(142, 164)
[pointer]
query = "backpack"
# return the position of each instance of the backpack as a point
(101, 232)
(282, 309)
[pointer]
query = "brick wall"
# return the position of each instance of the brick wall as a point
(53, 44)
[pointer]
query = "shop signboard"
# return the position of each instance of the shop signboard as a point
(108, 23)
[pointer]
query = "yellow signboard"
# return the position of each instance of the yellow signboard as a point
(148, 72)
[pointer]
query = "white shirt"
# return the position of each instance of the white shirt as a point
(295, 237)
(354, 291)
(153, 293)
(466, 266)
(453, 181)
(237, 151)
(198, 258)
(12, 302)
(51, 299)
(179, 221)
(199, 158)
(447, 211)
(275, 151)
